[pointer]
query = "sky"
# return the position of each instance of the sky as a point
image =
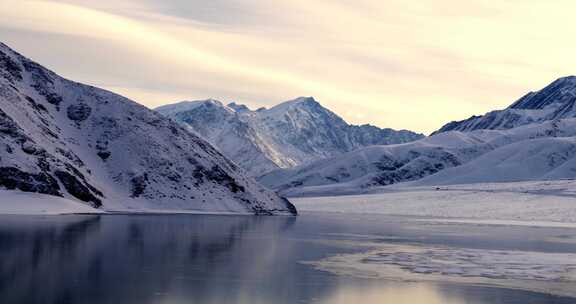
(392, 63)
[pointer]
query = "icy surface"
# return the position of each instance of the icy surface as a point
(537, 271)
(528, 202)
(494, 264)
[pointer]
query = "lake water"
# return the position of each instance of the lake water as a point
(238, 259)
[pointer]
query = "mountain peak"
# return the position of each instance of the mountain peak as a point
(289, 134)
(239, 108)
(555, 101)
(298, 103)
(309, 101)
(570, 79)
(209, 102)
(187, 105)
(560, 91)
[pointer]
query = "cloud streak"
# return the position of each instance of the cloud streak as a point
(392, 63)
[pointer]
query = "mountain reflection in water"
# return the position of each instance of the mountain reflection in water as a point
(197, 259)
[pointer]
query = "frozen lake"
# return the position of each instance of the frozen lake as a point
(314, 258)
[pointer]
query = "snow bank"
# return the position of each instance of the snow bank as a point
(553, 201)
(26, 203)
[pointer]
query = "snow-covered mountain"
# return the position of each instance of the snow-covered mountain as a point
(63, 138)
(289, 134)
(544, 151)
(537, 151)
(530, 140)
(555, 101)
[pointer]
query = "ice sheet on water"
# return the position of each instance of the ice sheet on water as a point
(529, 270)
(494, 264)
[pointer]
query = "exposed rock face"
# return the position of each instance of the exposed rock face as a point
(292, 133)
(63, 138)
(556, 101)
(14, 179)
(79, 112)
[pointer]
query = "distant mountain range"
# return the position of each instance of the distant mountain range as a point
(292, 133)
(63, 138)
(533, 139)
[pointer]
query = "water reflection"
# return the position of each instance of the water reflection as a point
(119, 259)
(374, 293)
(193, 259)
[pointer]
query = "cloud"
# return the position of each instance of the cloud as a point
(397, 64)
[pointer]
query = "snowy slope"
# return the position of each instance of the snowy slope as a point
(27, 203)
(67, 139)
(537, 151)
(535, 159)
(292, 133)
(380, 165)
(221, 125)
(556, 101)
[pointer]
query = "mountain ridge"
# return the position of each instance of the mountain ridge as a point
(291, 133)
(545, 150)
